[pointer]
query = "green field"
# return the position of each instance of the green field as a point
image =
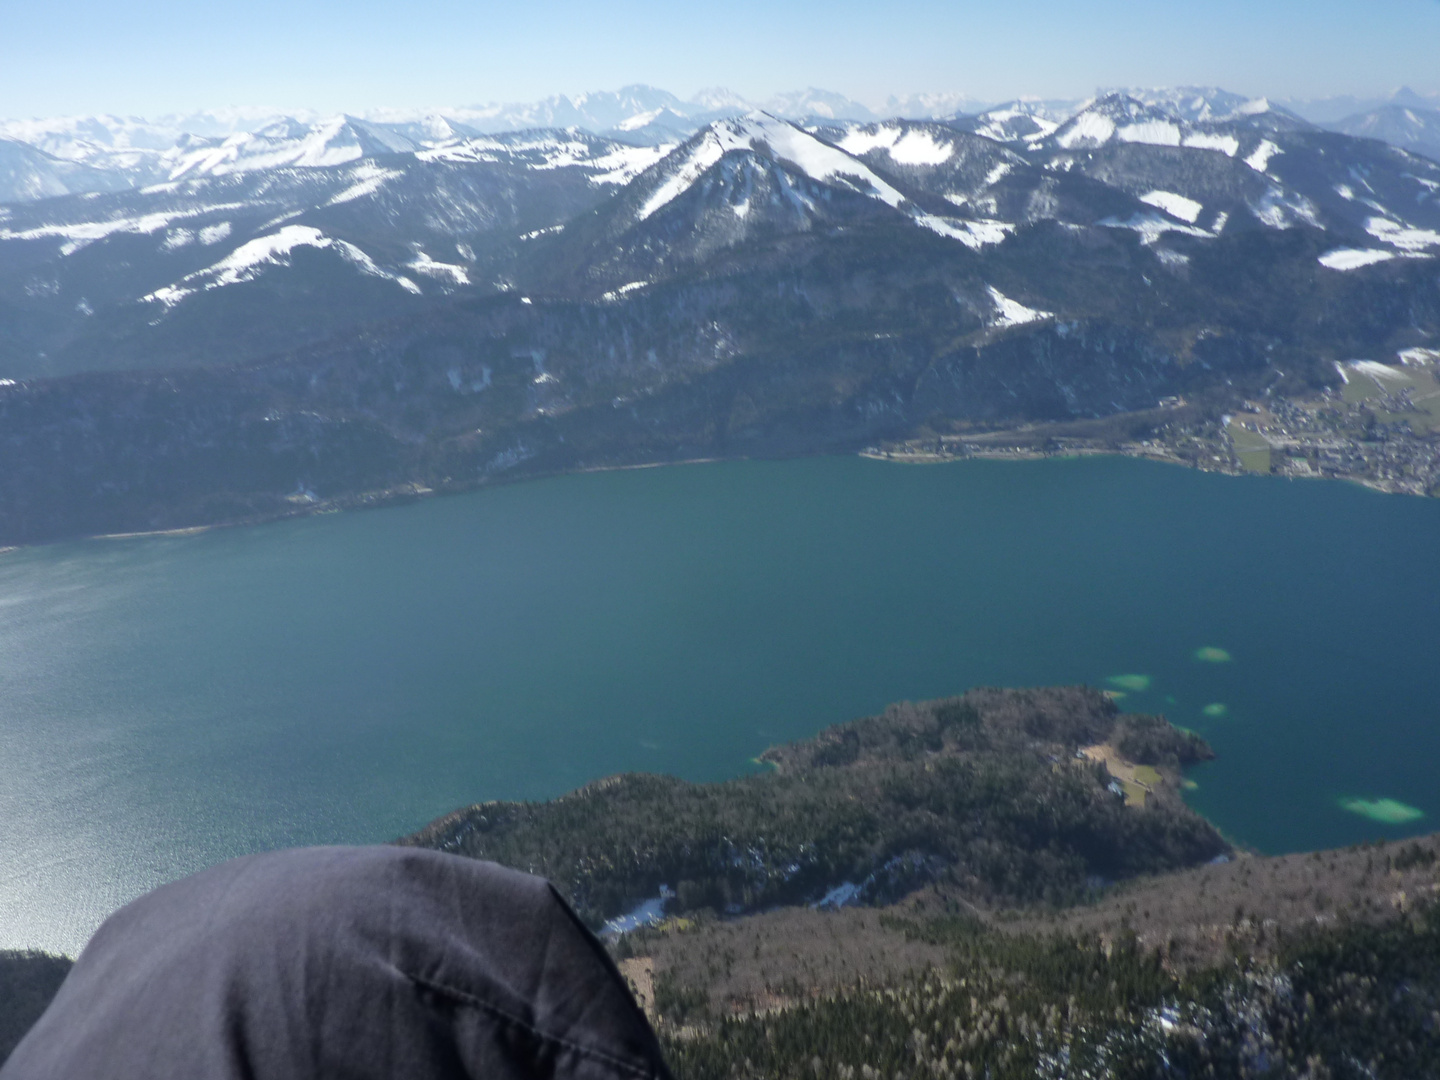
(1252, 449)
(1424, 395)
(1359, 388)
(1134, 793)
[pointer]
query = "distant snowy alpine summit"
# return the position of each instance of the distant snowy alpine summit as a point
(43, 158)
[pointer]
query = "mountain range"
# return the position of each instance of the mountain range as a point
(40, 158)
(257, 322)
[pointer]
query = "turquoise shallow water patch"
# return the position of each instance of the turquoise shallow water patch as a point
(1131, 683)
(1387, 811)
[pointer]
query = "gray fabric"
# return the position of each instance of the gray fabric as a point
(343, 962)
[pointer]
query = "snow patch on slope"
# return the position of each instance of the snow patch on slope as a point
(624, 163)
(81, 234)
(1153, 132)
(1259, 158)
(1088, 126)
(1377, 370)
(1013, 313)
(368, 180)
(920, 148)
(1280, 209)
(244, 263)
(1401, 236)
(623, 290)
(1254, 107)
(424, 264)
(1204, 140)
(860, 142)
(973, 234)
(250, 259)
(618, 165)
(1151, 227)
(1419, 357)
(710, 150)
(1187, 210)
(998, 173)
(1002, 124)
(466, 151)
(1354, 258)
(904, 147)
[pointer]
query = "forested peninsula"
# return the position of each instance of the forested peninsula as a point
(991, 792)
(1004, 884)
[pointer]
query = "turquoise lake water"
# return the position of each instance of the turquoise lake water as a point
(166, 703)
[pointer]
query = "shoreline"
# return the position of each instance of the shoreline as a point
(189, 530)
(903, 452)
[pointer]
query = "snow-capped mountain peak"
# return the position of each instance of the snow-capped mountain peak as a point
(28, 173)
(813, 102)
(932, 106)
(1195, 104)
(338, 222)
(605, 161)
(1016, 121)
(1118, 116)
(764, 132)
(128, 152)
(333, 141)
(1253, 107)
(1408, 126)
(719, 98)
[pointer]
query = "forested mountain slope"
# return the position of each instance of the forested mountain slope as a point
(246, 342)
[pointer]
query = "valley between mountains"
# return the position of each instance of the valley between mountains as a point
(345, 313)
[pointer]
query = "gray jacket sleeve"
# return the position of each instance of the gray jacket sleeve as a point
(343, 962)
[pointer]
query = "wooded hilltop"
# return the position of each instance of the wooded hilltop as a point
(1002, 884)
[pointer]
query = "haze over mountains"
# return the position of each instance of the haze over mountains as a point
(40, 158)
(416, 302)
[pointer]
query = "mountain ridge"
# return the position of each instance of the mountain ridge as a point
(491, 307)
(132, 152)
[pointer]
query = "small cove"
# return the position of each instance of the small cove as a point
(167, 702)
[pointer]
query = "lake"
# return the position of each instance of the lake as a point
(168, 702)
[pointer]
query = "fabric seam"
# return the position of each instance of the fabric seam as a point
(490, 1007)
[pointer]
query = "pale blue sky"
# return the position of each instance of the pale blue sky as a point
(153, 56)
